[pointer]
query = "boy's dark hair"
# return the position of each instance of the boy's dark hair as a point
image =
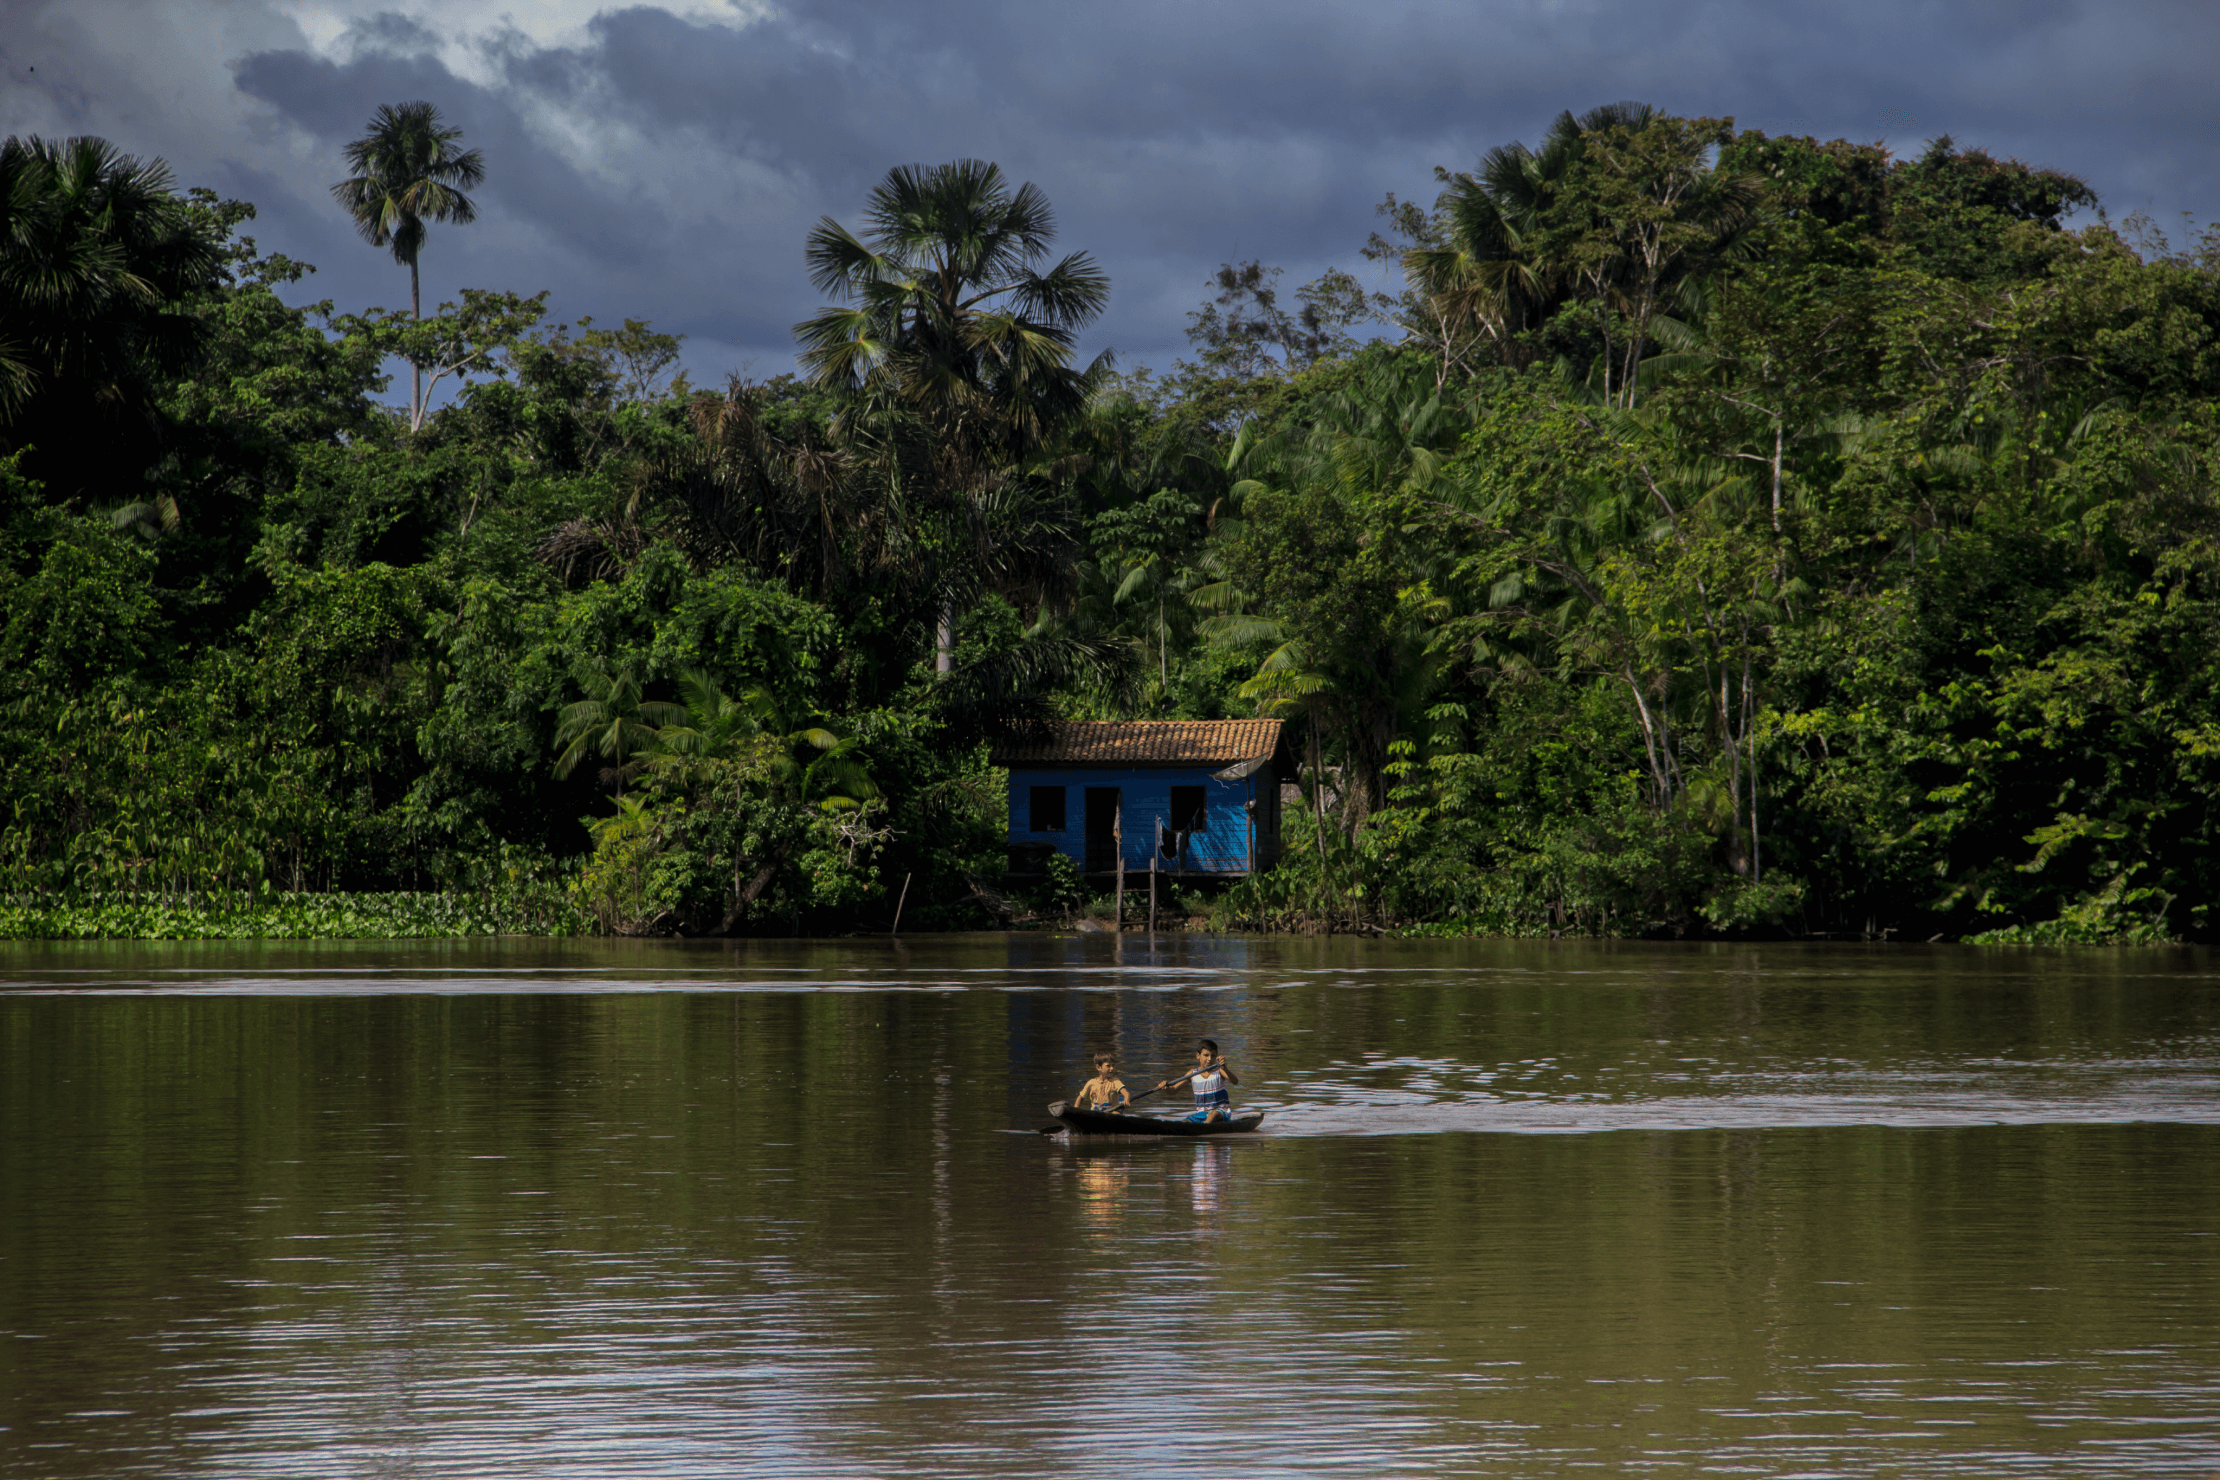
(1209, 1043)
(1102, 1059)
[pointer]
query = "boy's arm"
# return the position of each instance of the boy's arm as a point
(1227, 1070)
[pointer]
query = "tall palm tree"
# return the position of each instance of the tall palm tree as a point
(949, 323)
(407, 171)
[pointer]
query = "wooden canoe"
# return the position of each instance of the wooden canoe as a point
(1103, 1123)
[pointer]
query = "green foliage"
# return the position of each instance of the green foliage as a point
(1059, 893)
(277, 916)
(733, 790)
(99, 263)
(1238, 332)
(76, 598)
(1741, 536)
(477, 336)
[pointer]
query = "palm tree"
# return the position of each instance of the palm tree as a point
(711, 727)
(612, 719)
(96, 253)
(791, 767)
(407, 171)
(949, 324)
(1622, 206)
(1488, 274)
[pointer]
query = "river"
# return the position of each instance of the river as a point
(1518, 1209)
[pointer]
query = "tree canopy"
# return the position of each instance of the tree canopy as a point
(1706, 533)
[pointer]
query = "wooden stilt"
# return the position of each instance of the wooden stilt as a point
(1251, 810)
(1117, 834)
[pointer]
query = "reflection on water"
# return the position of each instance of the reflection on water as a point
(1103, 1186)
(1209, 1170)
(584, 1210)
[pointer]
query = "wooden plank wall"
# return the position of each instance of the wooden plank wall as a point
(1145, 797)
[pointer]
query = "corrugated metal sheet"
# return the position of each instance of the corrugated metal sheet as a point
(1144, 742)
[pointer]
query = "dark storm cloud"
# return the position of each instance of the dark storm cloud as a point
(535, 186)
(725, 267)
(669, 168)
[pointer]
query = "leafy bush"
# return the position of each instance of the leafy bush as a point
(1061, 892)
(2113, 916)
(1746, 906)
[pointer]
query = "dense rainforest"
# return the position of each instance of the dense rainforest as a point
(1709, 533)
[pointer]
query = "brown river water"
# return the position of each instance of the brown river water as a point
(616, 1209)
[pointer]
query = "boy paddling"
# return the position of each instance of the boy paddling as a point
(1209, 1079)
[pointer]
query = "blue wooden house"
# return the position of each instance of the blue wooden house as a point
(1197, 796)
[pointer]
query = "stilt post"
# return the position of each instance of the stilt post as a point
(1117, 836)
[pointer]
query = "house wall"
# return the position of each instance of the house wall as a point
(1145, 798)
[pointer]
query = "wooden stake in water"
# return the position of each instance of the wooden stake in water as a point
(1117, 837)
(1152, 893)
(897, 930)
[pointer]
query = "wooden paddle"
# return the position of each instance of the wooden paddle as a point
(1215, 1064)
(1050, 1130)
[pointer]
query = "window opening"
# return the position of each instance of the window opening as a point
(1189, 810)
(1048, 809)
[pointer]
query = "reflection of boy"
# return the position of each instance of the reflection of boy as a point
(1106, 1091)
(1210, 1158)
(1102, 1186)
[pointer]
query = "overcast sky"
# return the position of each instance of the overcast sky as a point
(665, 162)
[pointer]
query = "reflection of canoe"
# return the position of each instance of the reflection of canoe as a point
(1102, 1123)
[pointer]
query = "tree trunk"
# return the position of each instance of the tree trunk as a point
(1737, 858)
(749, 892)
(1656, 744)
(1776, 476)
(1757, 869)
(1364, 773)
(1603, 330)
(416, 371)
(944, 640)
(1318, 791)
(1749, 740)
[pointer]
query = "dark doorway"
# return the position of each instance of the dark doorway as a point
(1187, 820)
(1102, 825)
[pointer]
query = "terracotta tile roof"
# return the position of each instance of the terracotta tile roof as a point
(1143, 742)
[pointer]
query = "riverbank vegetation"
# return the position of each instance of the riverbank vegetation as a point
(1705, 533)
